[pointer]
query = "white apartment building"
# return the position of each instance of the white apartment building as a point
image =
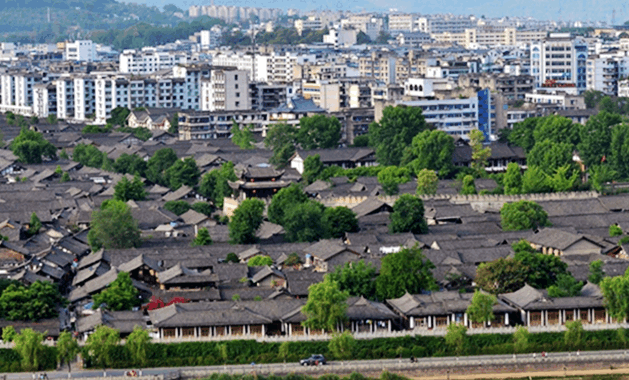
(311, 23)
(192, 75)
(18, 90)
(265, 68)
(605, 71)
(453, 116)
(149, 60)
(399, 23)
(444, 24)
(366, 23)
(561, 60)
(65, 97)
(81, 51)
(225, 90)
(340, 37)
(44, 99)
(84, 97)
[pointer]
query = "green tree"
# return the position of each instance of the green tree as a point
(427, 182)
(408, 215)
(405, 271)
(481, 309)
(391, 177)
(356, 278)
(113, 227)
(89, 155)
(138, 344)
(245, 222)
(67, 349)
(557, 129)
(596, 272)
(51, 119)
(542, 270)
(522, 215)
(319, 132)
(30, 147)
(174, 124)
(8, 334)
(550, 156)
(232, 258)
(456, 338)
(361, 141)
(65, 177)
(512, 180)
(522, 133)
(126, 190)
(34, 225)
(602, 174)
(480, 154)
(101, 346)
(214, 184)
(326, 307)
(362, 38)
(260, 261)
(619, 146)
(38, 301)
(157, 165)
(304, 222)
(564, 179)
(592, 98)
(313, 167)
(120, 295)
(203, 208)
(573, 336)
(468, 187)
(130, 163)
(177, 207)
(283, 200)
(202, 238)
(281, 140)
(342, 346)
(338, 221)
(615, 230)
(242, 137)
(566, 286)
(521, 339)
(534, 181)
(596, 138)
(182, 173)
(28, 344)
(395, 131)
(119, 116)
(431, 149)
(501, 276)
(285, 350)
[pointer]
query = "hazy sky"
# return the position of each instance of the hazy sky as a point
(564, 10)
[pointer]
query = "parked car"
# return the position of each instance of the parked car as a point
(313, 360)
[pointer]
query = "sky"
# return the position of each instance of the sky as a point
(562, 10)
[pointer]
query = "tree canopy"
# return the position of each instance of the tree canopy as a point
(30, 147)
(522, 215)
(40, 300)
(158, 163)
(245, 222)
(304, 222)
(481, 309)
(405, 271)
(101, 345)
(113, 227)
(326, 306)
(338, 221)
(357, 278)
(408, 215)
(395, 132)
(427, 182)
(283, 200)
(391, 177)
(119, 295)
(214, 185)
(182, 172)
(431, 149)
(501, 276)
(319, 132)
(242, 137)
(281, 140)
(126, 190)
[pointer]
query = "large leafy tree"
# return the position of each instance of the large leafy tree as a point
(395, 132)
(242, 137)
(512, 180)
(119, 295)
(202, 238)
(566, 286)
(596, 137)
(67, 349)
(357, 278)
(550, 155)
(30, 146)
(119, 116)
(616, 295)
(138, 344)
(342, 345)
(391, 177)
(214, 185)
(101, 346)
(182, 173)
(89, 155)
(281, 140)
(304, 222)
(319, 132)
(126, 190)
(313, 167)
(40, 300)
(542, 271)
(245, 222)
(481, 309)
(535, 180)
(456, 338)
(501, 276)
(522, 215)
(113, 226)
(338, 221)
(405, 271)
(431, 149)
(480, 152)
(557, 129)
(427, 182)
(130, 163)
(157, 165)
(29, 345)
(408, 215)
(177, 207)
(596, 272)
(619, 148)
(522, 133)
(326, 307)
(283, 200)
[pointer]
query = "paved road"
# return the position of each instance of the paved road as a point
(355, 365)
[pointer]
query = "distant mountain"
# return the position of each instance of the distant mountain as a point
(564, 10)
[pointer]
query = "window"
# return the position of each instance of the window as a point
(236, 77)
(238, 94)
